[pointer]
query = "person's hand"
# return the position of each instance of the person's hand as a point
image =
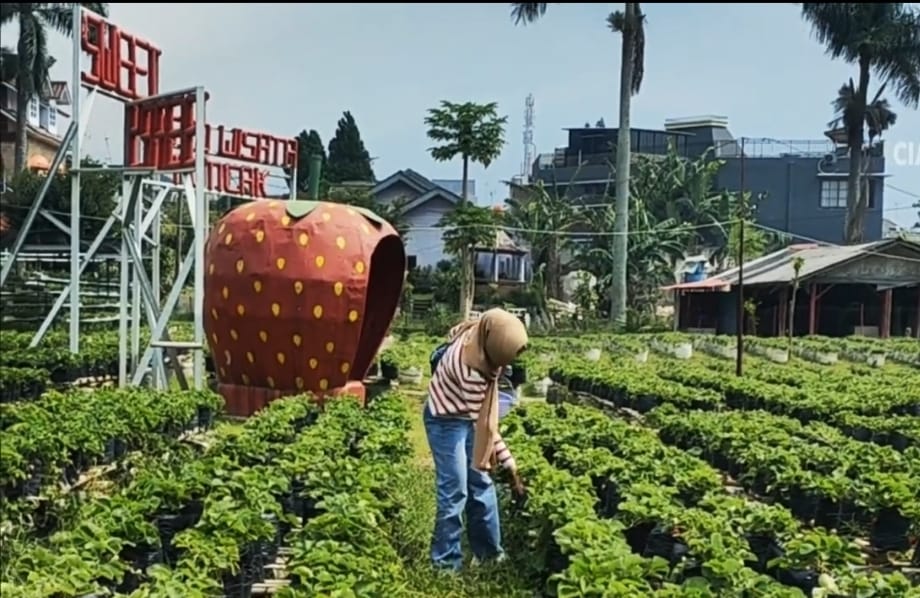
(517, 485)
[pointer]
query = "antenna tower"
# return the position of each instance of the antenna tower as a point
(528, 139)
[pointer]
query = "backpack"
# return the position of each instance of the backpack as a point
(435, 358)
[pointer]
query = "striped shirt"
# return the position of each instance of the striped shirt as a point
(457, 390)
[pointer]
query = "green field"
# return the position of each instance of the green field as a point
(652, 470)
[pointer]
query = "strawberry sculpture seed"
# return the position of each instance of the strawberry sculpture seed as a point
(286, 298)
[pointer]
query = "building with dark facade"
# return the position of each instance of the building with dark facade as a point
(801, 186)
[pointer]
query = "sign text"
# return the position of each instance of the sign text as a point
(119, 62)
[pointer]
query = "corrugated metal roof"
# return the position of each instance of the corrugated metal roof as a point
(779, 267)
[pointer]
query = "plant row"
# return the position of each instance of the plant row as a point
(197, 524)
(98, 354)
(59, 436)
(17, 383)
(891, 417)
(862, 481)
(613, 511)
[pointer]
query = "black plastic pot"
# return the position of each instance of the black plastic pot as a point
(765, 548)
(120, 448)
(389, 371)
(556, 561)
(518, 375)
(899, 441)
(890, 531)
(108, 455)
(803, 505)
(33, 486)
(860, 433)
(638, 535)
(662, 544)
(645, 403)
(205, 417)
(168, 525)
(140, 557)
(608, 499)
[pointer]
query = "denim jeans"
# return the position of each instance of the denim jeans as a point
(460, 489)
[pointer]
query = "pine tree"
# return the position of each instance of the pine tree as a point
(348, 159)
(309, 144)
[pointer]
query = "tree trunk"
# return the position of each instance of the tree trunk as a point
(856, 202)
(22, 107)
(795, 291)
(621, 218)
(553, 284)
(467, 282)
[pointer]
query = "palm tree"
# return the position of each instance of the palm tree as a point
(539, 212)
(32, 57)
(474, 132)
(629, 23)
(876, 118)
(881, 38)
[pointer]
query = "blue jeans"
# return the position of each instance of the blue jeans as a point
(460, 488)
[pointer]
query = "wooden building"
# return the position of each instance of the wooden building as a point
(872, 289)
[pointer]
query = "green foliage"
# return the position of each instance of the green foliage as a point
(308, 144)
(468, 130)
(348, 159)
(883, 37)
(755, 241)
(535, 209)
(467, 227)
(98, 198)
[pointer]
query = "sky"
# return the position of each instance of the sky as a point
(281, 68)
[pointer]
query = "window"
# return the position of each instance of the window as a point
(52, 117)
(834, 193)
(412, 262)
(33, 111)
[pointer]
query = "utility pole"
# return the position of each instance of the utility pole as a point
(742, 211)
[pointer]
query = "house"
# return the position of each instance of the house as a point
(45, 125)
(504, 264)
(871, 289)
(890, 228)
(427, 202)
(803, 184)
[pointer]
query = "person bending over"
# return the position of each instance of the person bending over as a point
(461, 423)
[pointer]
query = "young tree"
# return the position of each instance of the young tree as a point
(797, 263)
(881, 37)
(348, 159)
(308, 144)
(32, 58)
(474, 132)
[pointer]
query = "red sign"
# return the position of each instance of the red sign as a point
(119, 61)
(160, 133)
(251, 147)
(227, 178)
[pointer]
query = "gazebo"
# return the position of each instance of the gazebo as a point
(505, 263)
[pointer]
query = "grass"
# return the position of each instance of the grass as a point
(413, 531)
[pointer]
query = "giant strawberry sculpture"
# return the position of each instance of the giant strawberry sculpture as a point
(299, 296)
